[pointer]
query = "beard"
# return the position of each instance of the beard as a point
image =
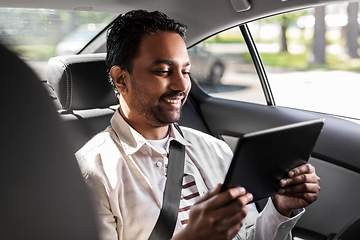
(153, 111)
(159, 117)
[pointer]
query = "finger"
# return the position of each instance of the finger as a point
(209, 194)
(224, 198)
(235, 222)
(305, 168)
(235, 206)
(303, 178)
(300, 188)
(307, 197)
(235, 212)
(237, 209)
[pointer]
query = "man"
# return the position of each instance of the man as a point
(125, 165)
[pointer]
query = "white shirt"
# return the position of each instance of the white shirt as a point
(189, 192)
(127, 176)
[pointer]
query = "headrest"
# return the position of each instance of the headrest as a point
(81, 82)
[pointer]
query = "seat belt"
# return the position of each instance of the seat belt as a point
(165, 225)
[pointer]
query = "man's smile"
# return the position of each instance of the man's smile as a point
(173, 100)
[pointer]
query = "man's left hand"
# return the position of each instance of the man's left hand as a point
(299, 190)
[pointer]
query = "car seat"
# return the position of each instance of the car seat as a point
(43, 195)
(350, 231)
(87, 98)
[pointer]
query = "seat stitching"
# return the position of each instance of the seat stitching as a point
(71, 88)
(67, 84)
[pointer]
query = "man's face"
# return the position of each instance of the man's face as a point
(159, 80)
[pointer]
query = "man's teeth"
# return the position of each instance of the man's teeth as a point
(172, 101)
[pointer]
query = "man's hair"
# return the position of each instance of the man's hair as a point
(126, 32)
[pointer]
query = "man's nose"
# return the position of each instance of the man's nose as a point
(180, 82)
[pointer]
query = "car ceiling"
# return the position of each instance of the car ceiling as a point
(204, 17)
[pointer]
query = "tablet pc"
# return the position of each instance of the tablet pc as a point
(262, 158)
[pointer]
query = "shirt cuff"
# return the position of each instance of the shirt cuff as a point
(271, 223)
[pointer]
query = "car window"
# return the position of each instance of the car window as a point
(311, 58)
(219, 67)
(39, 34)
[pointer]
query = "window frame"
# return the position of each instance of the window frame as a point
(259, 66)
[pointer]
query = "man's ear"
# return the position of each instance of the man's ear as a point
(119, 77)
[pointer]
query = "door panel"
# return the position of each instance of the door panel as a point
(338, 200)
(336, 155)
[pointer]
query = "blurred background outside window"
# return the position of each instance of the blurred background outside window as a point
(39, 34)
(311, 59)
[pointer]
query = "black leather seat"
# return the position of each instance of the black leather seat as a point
(87, 98)
(43, 195)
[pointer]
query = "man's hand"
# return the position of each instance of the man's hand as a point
(299, 190)
(217, 215)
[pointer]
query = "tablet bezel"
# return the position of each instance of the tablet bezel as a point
(263, 158)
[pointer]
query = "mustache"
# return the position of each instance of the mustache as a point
(174, 94)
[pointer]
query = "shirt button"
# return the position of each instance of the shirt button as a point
(159, 164)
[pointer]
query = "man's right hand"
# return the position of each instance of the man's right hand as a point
(217, 215)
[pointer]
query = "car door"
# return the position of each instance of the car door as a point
(335, 156)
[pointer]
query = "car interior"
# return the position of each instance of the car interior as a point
(86, 112)
(43, 192)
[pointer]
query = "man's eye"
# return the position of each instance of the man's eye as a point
(162, 73)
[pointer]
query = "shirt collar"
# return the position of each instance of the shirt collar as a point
(131, 140)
